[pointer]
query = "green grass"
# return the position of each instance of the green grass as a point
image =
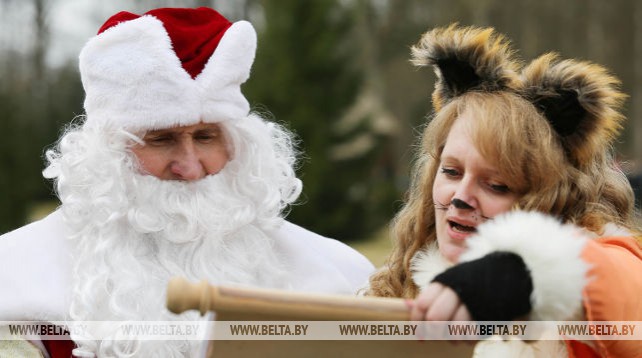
(41, 210)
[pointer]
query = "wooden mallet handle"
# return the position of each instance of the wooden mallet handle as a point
(182, 296)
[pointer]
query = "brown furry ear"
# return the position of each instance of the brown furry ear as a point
(579, 99)
(466, 59)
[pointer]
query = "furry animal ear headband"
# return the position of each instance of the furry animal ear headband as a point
(580, 100)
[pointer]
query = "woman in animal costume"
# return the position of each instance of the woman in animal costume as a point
(517, 209)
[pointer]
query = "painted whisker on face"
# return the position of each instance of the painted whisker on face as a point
(440, 206)
(444, 207)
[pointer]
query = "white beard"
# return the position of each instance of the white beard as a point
(133, 232)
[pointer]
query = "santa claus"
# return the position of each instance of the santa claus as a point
(167, 174)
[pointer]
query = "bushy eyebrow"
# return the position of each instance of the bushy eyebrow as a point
(173, 132)
(158, 132)
(208, 130)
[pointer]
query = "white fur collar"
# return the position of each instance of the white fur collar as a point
(426, 264)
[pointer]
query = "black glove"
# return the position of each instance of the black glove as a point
(496, 287)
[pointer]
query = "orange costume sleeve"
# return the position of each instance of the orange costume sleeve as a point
(613, 292)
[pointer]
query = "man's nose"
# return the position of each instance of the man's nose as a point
(187, 164)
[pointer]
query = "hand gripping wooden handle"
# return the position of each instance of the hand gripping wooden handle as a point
(183, 295)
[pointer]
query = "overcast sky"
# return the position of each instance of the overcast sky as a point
(72, 22)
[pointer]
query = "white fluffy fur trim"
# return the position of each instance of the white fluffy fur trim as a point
(426, 264)
(550, 250)
(134, 80)
(225, 71)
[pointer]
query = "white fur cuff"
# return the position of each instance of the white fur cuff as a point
(551, 252)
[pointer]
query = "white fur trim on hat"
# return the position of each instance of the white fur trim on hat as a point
(551, 252)
(134, 80)
(225, 71)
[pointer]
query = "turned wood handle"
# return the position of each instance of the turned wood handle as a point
(183, 295)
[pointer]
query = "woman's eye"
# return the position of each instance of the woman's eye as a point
(449, 172)
(499, 188)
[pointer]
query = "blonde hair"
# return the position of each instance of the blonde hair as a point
(512, 135)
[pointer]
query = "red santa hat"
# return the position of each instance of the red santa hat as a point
(168, 67)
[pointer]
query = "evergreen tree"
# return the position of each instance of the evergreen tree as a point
(32, 119)
(303, 75)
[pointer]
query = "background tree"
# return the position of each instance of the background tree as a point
(336, 72)
(304, 76)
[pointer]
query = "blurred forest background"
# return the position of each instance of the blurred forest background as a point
(334, 71)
